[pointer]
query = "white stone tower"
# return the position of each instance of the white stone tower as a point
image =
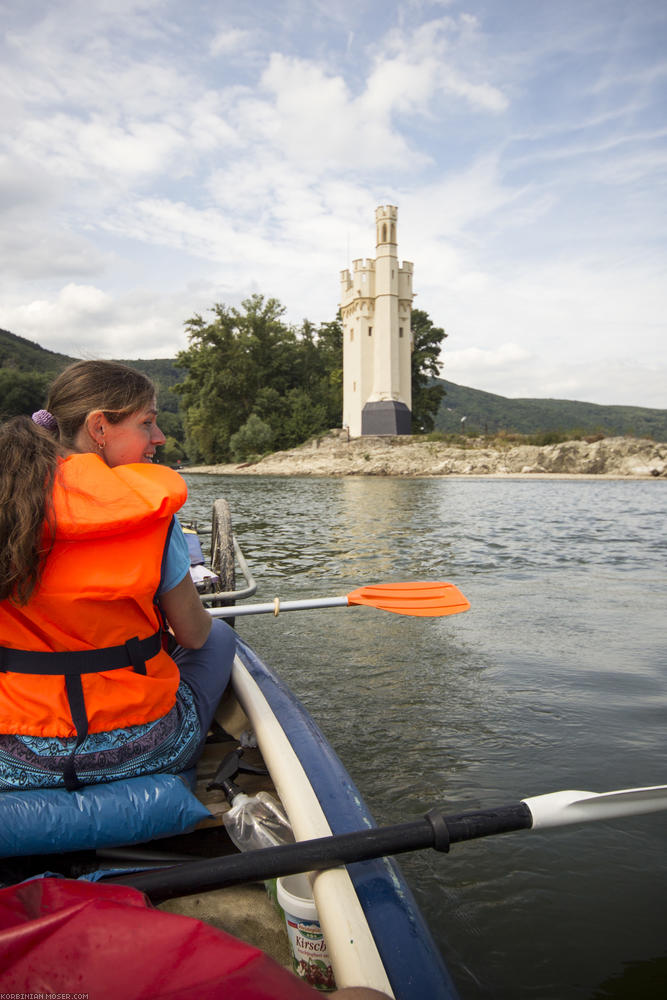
(376, 302)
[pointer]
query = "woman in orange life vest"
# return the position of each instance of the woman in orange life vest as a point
(92, 561)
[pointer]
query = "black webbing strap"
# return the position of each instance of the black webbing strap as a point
(77, 706)
(71, 665)
(132, 653)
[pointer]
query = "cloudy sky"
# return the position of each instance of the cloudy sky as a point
(158, 156)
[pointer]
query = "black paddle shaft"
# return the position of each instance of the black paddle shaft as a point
(433, 830)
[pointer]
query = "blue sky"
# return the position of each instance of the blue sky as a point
(157, 157)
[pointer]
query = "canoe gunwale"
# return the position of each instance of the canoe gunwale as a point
(350, 943)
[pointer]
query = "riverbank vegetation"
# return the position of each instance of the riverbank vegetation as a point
(503, 440)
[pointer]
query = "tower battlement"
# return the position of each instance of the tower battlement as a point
(386, 212)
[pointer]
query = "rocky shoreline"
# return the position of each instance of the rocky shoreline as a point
(335, 455)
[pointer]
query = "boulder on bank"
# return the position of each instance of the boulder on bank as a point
(336, 455)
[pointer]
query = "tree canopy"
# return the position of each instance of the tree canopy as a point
(426, 396)
(21, 392)
(249, 362)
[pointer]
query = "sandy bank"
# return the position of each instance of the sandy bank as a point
(334, 455)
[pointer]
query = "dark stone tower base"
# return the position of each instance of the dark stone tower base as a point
(386, 417)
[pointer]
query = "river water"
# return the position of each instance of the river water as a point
(555, 679)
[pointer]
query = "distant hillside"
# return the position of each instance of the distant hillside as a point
(26, 356)
(487, 413)
(164, 375)
(27, 368)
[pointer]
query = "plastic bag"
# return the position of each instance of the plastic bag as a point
(256, 821)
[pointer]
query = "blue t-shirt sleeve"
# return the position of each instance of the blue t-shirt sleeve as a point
(177, 560)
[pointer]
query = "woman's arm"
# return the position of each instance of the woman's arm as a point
(187, 616)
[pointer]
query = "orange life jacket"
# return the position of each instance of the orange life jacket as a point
(97, 592)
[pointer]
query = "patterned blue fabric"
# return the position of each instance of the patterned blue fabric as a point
(168, 744)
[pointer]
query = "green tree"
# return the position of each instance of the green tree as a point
(171, 424)
(255, 437)
(249, 361)
(223, 368)
(293, 417)
(330, 389)
(172, 452)
(304, 417)
(21, 392)
(426, 398)
(320, 379)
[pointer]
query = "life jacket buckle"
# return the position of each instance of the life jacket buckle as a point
(135, 655)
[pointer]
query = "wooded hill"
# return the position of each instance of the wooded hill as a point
(26, 369)
(487, 413)
(24, 355)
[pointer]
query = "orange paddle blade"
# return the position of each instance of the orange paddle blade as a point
(421, 599)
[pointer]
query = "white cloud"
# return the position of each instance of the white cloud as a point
(85, 321)
(41, 254)
(312, 118)
(228, 40)
(576, 335)
(24, 188)
(75, 304)
(85, 150)
(533, 377)
(503, 356)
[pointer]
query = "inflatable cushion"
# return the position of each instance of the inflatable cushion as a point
(53, 820)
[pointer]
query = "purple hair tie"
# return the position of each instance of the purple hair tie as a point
(45, 419)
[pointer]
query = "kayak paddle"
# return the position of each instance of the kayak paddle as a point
(421, 599)
(432, 830)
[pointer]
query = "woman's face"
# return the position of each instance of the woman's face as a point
(133, 439)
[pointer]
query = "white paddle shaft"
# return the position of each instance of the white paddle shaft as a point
(276, 606)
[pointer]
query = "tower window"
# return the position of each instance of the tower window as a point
(351, 335)
(400, 331)
(384, 232)
(370, 331)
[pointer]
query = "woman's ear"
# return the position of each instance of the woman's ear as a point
(95, 425)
